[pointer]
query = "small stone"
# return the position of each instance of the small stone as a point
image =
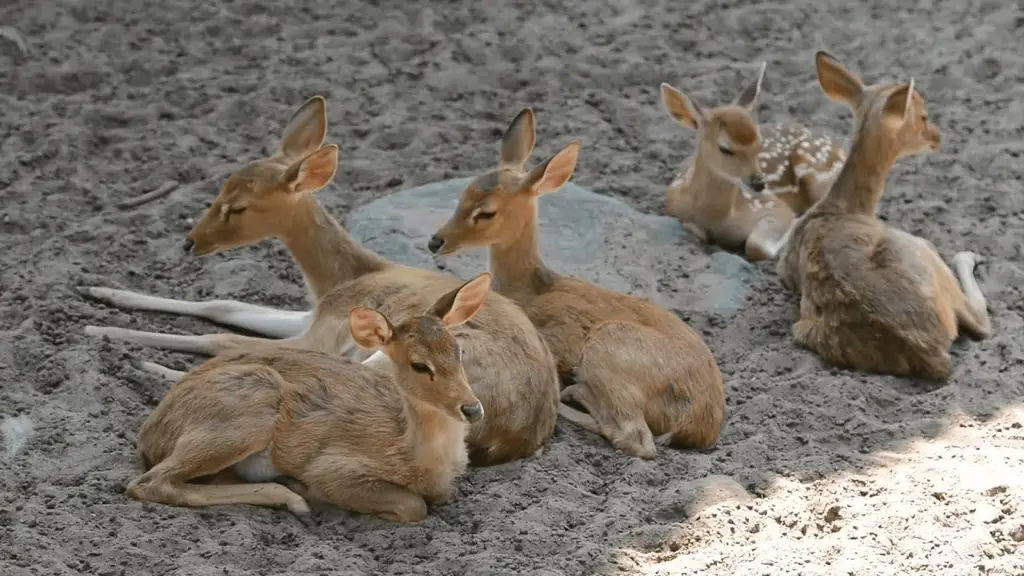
(995, 491)
(1017, 534)
(832, 514)
(988, 514)
(9, 34)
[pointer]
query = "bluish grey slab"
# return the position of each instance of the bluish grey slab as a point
(583, 234)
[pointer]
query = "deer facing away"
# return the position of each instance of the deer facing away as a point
(508, 364)
(788, 165)
(874, 298)
(639, 371)
(357, 437)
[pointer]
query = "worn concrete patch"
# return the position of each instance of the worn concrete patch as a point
(583, 234)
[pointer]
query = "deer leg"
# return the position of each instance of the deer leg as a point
(268, 494)
(167, 482)
(329, 481)
(162, 371)
(972, 315)
(576, 393)
(616, 381)
(259, 319)
(618, 419)
(208, 344)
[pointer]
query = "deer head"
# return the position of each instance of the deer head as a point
(728, 140)
(427, 357)
(255, 202)
(894, 114)
(498, 205)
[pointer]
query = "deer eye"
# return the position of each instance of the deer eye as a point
(233, 211)
(483, 216)
(420, 367)
(726, 151)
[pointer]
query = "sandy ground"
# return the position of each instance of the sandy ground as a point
(819, 471)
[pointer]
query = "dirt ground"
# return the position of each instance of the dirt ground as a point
(819, 471)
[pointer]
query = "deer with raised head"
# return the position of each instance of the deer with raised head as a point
(642, 375)
(789, 166)
(874, 298)
(361, 438)
(510, 368)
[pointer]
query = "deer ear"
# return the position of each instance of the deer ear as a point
(838, 83)
(314, 171)
(553, 174)
(897, 104)
(681, 107)
(517, 143)
(748, 98)
(369, 328)
(460, 305)
(305, 131)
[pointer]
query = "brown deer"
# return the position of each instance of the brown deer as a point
(357, 437)
(638, 370)
(874, 298)
(789, 166)
(508, 364)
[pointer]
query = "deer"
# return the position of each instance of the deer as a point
(641, 374)
(383, 442)
(509, 366)
(787, 166)
(874, 298)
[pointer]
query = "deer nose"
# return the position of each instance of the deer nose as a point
(472, 412)
(435, 243)
(757, 183)
(189, 244)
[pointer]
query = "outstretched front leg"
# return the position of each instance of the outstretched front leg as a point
(162, 371)
(207, 344)
(270, 322)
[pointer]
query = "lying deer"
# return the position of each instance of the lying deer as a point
(509, 366)
(639, 370)
(788, 165)
(872, 297)
(357, 437)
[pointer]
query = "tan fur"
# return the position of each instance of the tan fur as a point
(359, 438)
(637, 369)
(875, 298)
(795, 165)
(509, 366)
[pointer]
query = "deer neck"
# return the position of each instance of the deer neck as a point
(713, 194)
(430, 433)
(323, 249)
(517, 267)
(859, 186)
